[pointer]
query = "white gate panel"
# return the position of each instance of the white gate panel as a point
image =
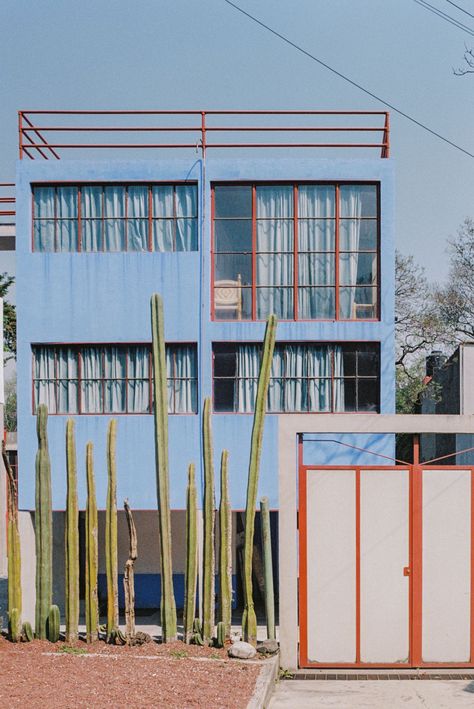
(446, 565)
(384, 552)
(331, 566)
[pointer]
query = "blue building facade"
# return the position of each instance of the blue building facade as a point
(312, 239)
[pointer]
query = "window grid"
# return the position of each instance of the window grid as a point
(151, 218)
(79, 380)
(296, 252)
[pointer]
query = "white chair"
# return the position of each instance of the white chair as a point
(228, 297)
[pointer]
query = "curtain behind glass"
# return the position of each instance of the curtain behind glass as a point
(181, 374)
(138, 380)
(247, 369)
(44, 239)
(186, 217)
(114, 384)
(91, 218)
(114, 213)
(45, 373)
(351, 206)
(67, 206)
(339, 402)
(138, 218)
(91, 401)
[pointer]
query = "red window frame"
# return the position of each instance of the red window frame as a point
(150, 218)
(337, 286)
(126, 347)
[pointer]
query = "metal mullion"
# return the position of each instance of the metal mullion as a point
(150, 222)
(150, 384)
(254, 252)
(336, 254)
(295, 252)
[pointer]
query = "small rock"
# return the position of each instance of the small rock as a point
(242, 650)
(268, 647)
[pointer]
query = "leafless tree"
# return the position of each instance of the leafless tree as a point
(468, 66)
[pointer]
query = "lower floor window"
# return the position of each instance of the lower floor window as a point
(308, 377)
(103, 379)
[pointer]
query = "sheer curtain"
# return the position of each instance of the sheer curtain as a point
(163, 212)
(44, 226)
(67, 226)
(247, 368)
(351, 209)
(186, 222)
(56, 379)
(316, 246)
(114, 222)
(91, 218)
(91, 380)
(138, 218)
(275, 251)
(181, 373)
(138, 380)
(114, 384)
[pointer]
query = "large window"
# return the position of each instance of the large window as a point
(115, 217)
(303, 252)
(304, 377)
(103, 379)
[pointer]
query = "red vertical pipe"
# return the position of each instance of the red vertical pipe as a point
(295, 252)
(336, 255)
(254, 252)
(357, 535)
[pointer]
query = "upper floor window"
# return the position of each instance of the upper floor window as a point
(115, 217)
(310, 377)
(107, 379)
(301, 251)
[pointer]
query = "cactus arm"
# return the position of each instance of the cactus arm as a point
(43, 526)
(225, 550)
(160, 411)
(209, 519)
(249, 619)
(13, 540)
(92, 610)
(191, 555)
(111, 555)
(72, 538)
(268, 568)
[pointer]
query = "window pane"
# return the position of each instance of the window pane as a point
(233, 201)
(367, 363)
(114, 235)
(232, 303)
(358, 303)
(137, 202)
(223, 394)
(358, 200)
(316, 234)
(316, 269)
(349, 387)
(358, 269)
(114, 396)
(233, 235)
(67, 202)
(360, 235)
(138, 396)
(91, 235)
(137, 236)
(91, 202)
(224, 363)
(275, 235)
(186, 200)
(316, 201)
(278, 301)
(163, 201)
(316, 303)
(274, 270)
(43, 200)
(44, 239)
(233, 267)
(163, 234)
(368, 395)
(67, 235)
(274, 202)
(186, 235)
(349, 361)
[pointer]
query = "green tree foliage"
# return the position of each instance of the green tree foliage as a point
(9, 317)
(9, 411)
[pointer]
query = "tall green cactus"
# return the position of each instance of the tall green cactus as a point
(13, 547)
(160, 410)
(268, 567)
(72, 538)
(92, 607)
(249, 619)
(191, 555)
(43, 526)
(209, 520)
(111, 554)
(225, 549)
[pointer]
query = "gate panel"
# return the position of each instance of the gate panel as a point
(384, 554)
(331, 566)
(446, 565)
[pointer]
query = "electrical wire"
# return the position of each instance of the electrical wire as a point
(348, 80)
(444, 16)
(460, 8)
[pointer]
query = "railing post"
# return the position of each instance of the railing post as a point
(386, 137)
(20, 134)
(203, 133)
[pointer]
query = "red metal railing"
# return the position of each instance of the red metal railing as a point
(43, 133)
(7, 203)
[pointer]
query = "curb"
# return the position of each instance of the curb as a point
(265, 684)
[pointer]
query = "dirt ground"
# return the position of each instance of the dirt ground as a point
(40, 674)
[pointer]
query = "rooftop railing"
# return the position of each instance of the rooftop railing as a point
(49, 134)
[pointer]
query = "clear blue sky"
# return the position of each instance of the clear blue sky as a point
(204, 54)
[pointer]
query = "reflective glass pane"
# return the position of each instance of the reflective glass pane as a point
(368, 395)
(233, 235)
(224, 394)
(233, 267)
(233, 201)
(367, 363)
(349, 388)
(231, 303)
(358, 200)
(358, 235)
(316, 234)
(358, 269)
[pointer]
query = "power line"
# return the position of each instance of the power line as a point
(349, 81)
(444, 16)
(460, 8)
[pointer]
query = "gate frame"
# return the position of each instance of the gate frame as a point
(290, 428)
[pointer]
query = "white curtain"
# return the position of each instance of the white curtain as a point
(56, 379)
(247, 369)
(351, 208)
(339, 401)
(138, 218)
(181, 374)
(67, 210)
(186, 213)
(163, 214)
(91, 218)
(114, 213)
(91, 380)
(138, 380)
(316, 246)
(174, 217)
(44, 219)
(275, 251)
(114, 375)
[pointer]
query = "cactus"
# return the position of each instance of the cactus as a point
(26, 632)
(221, 634)
(13, 540)
(92, 608)
(14, 625)
(53, 624)
(268, 568)
(249, 619)
(72, 539)
(160, 411)
(208, 545)
(196, 637)
(43, 526)
(128, 578)
(191, 555)
(111, 556)
(225, 549)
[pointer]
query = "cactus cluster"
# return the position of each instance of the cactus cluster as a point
(43, 526)
(14, 552)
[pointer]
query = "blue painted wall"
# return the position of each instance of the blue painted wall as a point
(105, 298)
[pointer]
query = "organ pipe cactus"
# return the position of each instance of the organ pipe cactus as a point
(14, 551)
(111, 555)
(53, 624)
(160, 411)
(225, 550)
(208, 545)
(249, 619)
(268, 568)
(14, 625)
(129, 577)
(72, 538)
(191, 555)
(43, 526)
(92, 608)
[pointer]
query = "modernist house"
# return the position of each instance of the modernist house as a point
(226, 237)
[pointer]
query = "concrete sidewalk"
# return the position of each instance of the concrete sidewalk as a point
(373, 694)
